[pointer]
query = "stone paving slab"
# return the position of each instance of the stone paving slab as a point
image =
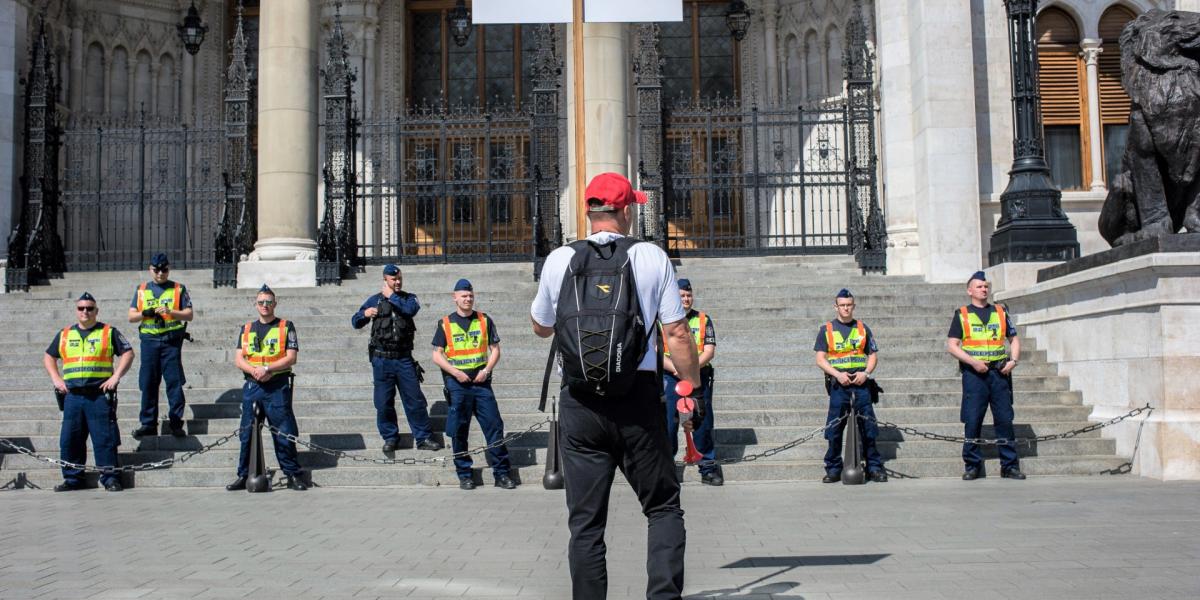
(1048, 537)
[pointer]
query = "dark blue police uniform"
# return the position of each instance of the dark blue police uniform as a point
(981, 390)
(478, 399)
(703, 434)
(840, 398)
(392, 371)
(86, 412)
(162, 361)
(275, 397)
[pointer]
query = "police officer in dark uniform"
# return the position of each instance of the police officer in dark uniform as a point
(705, 336)
(466, 347)
(266, 351)
(847, 354)
(162, 309)
(88, 375)
(390, 314)
(976, 339)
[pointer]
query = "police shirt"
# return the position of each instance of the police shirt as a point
(185, 299)
(439, 335)
(844, 329)
(119, 345)
(984, 314)
(404, 303)
(261, 329)
(709, 338)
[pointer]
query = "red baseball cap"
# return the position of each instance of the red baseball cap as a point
(614, 190)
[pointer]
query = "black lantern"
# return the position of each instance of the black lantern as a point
(459, 19)
(192, 31)
(737, 18)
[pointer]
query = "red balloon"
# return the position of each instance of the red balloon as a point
(685, 405)
(684, 388)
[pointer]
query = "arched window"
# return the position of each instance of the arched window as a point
(93, 85)
(1114, 102)
(793, 83)
(118, 90)
(700, 58)
(142, 84)
(813, 65)
(166, 86)
(833, 59)
(1060, 79)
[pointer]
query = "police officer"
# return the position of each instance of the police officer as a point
(847, 354)
(266, 351)
(599, 435)
(466, 347)
(162, 308)
(976, 339)
(705, 336)
(88, 375)
(390, 314)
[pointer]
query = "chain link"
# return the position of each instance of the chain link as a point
(929, 435)
(149, 466)
(769, 452)
(410, 461)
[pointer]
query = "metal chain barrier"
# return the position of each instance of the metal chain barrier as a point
(771, 451)
(149, 466)
(1006, 442)
(411, 461)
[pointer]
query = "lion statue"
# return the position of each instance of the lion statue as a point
(1157, 191)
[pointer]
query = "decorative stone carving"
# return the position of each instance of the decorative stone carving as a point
(1157, 191)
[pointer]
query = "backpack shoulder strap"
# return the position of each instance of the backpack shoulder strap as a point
(546, 376)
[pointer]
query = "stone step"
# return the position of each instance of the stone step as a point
(343, 476)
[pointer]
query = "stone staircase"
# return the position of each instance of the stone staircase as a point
(768, 391)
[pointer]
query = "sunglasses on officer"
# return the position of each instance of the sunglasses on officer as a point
(161, 269)
(91, 308)
(265, 302)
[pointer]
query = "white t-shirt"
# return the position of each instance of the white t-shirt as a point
(653, 273)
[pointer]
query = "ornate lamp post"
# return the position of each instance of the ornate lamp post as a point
(737, 19)
(459, 19)
(192, 30)
(1032, 224)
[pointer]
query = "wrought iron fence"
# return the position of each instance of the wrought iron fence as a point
(132, 189)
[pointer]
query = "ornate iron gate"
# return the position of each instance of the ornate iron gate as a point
(728, 178)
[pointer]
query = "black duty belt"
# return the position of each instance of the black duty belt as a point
(86, 390)
(384, 354)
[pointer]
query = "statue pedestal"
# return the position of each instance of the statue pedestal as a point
(1122, 325)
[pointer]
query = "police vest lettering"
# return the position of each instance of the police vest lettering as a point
(88, 357)
(272, 347)
(466, 350)
(697, 324)
(171, 298)
(846, 354)
(982, 341)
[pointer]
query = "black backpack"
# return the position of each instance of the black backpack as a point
(599, 331)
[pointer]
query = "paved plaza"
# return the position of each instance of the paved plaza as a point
(1048, 537)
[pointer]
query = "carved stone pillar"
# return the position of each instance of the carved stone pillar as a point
(770, 29)
(1091, 58)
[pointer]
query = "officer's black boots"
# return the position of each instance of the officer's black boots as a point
(145, 430)
(66, 487)
(238, 484)
(177, 431)
(390, 445)
(429, 444)
(506, 482)
(970, 475)
(877, 476)
(466, 483)
(295, 483)
(713, 479)
(832, 477)
(114, 486)
(1013, 473)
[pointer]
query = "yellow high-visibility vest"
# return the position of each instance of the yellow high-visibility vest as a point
(984, 341)
(171, 298)
(849, 353)
(88, 357)
(271, 348)
(466, 349)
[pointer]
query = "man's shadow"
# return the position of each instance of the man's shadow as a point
(784, 564)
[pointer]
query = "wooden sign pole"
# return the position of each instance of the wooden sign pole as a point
(580, 145)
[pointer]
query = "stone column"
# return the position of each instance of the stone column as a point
(131, 85)
(770, 22)
(107, 65)
(76, 98)
(9, 94)
(606, 79)
(1091, 58)
(285, 253)
(931, 166)
(1192, 5)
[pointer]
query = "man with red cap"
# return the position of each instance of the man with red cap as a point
(600, 433)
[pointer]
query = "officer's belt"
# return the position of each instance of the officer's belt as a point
(85, 390)
(384, 354)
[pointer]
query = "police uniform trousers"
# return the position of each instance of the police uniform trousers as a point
(597, 436)
(162, 361)
(981, 390)
(702, 435)
(467, 399)
(275, 397)
(390, 374)
(86, 412)
(840, 398)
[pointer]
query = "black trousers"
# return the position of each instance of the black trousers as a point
(598, 436)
